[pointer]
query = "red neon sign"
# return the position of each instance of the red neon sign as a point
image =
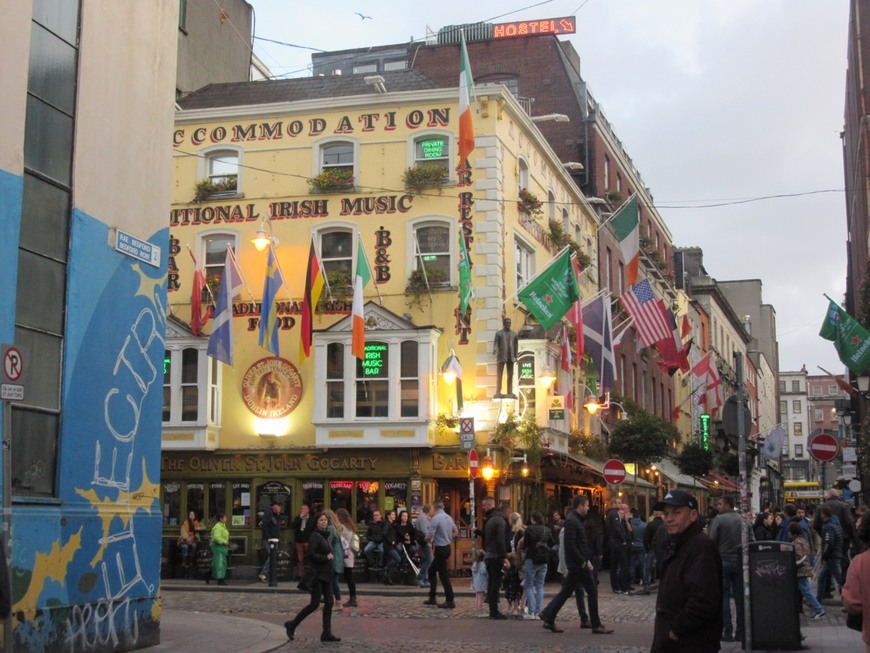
(566, 25)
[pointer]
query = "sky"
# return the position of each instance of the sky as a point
(730, 109)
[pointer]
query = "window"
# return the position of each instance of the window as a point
(798, 429)
(785, 450)
(783, 407)
(337, 155)
(817, 390)
(621, 278)
(433, 149)
(832, 390)
(608, 263)
(409, 382)
(795, 386)
(522, 174)
(798, 450)
(432, 243)
(796, 406)
(818, 415)
(223, 172)
(335, 380)
(372, 384)
(782, 386)
(398, 64)
(371, 67)
(187, 368)
(606, 171)
(566, 222)
(524, 262)
(214, 257)
(336, 251)
(551, 206)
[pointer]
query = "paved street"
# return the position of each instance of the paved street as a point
(386, 616)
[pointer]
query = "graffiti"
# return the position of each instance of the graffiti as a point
(769, 569)
(94, 625)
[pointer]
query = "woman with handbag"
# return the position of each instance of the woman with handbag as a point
(220, 539)
(318, 558)
(856, 591)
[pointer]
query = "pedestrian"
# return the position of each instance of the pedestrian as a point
(762, 529)
(350, 546)
(856, 592)
(421, 525)
(220, 539)
(513, 584)
(478, 584)
(619, 543)
(495, 546)
(637, 557)
(804, 569)
(650, 567)
(536, 545)
(442, 531)
(271, 530)
(831, 553)
(689, 602)
(337, 546)
(302, 527)
(726, 532)
(579, 570)
(319, 556)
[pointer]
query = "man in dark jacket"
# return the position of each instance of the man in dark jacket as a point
(303, 525)
(495, 538)
(619, 542)
(271, 530)
(689, 602)
(577, 554)
(832, 551)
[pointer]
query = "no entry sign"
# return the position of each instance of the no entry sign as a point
(472, 463)
(824, 447)
(614, 471)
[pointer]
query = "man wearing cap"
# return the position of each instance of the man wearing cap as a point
(689, 602)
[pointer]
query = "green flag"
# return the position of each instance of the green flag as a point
(851, 340)
(464, 275)
(550, 294)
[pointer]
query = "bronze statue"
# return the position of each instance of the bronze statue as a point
(505, 347)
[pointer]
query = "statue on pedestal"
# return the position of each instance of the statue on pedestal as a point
(505, 347)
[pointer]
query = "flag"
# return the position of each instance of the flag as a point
(851, 340)
(313, 289)
(686, 328)
(706, 372)
(198, 317)
(625, 224)
(844, 385)
(773, 442)
(466, 87)
(363, 276)
(575, 315)
(566, 350)
(598, 335)
(453, 366)
(464, 275)
(650, 322)
(549, 295)
(269, 311)
(220, 342)
(674, 354)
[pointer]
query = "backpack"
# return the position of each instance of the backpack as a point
(541, 553)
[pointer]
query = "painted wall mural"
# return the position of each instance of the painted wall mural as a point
(86, 567)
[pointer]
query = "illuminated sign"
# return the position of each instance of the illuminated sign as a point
(526, 370)
(566, 25)
(705, 431)
(375, 361)
(433, 149)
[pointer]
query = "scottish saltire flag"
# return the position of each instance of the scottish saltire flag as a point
(220, 342)
(598, 335)
(269, 311)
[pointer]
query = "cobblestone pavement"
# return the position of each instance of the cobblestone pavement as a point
(386, 616)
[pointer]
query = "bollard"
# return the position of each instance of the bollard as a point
(273, 561)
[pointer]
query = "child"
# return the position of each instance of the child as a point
(478, 585)
(513, 585)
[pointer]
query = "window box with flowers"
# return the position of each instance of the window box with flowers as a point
(207, 189)
(530, 204)
(332, 180)
(424, 175)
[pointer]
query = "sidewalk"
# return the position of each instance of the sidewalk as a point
(217, 633)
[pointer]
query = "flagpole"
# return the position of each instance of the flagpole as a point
(369, 268)
(239, 270)
(322, 272)
(422, 266)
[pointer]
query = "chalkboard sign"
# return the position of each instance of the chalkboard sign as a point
(274, 492)
(203, 562)
(773, 595)
(283, 565)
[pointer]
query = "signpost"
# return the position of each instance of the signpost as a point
(466, 433)
(824, 447)
(614, 471)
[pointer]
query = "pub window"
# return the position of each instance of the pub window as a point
(275, 492)
(432, 250)
(333, 155)
(222, 171)
(195, 500)
(312, 495)
(187, 368)
(522, 174)
(372, 383)
(340, 495)
(524, 262)
(396, 496)
(366, 500)
(217, 498)
(409, 380)
(336, 253)
(433, 149)
(171, 503)
(241, 504)
(212, 256)
(335, 380)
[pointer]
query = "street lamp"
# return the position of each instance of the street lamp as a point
(547, 378)
(264, 237)
(487, 470)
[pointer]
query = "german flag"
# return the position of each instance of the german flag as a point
(313, 289)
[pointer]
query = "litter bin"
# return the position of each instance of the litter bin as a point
(773, 595)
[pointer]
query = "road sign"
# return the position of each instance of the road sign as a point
(614, 471)
(466, 432)
(824, 447)
(13, 363)
(472, 463)
(139, 249)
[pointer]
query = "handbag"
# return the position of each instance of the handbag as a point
(855, 621)
(306, 583)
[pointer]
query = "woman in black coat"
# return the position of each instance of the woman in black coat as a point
(319, 557)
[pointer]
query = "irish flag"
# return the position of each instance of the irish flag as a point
(466, 128)
(625, 223)
(363, 276)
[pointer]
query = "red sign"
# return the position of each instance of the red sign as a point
(614, 471)
(824, 447)
(540, 27)
(472, 463)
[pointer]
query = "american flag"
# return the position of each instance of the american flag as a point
(650, 321)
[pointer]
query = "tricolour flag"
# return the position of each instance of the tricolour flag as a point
(198, 317)
(549, 295)
(220, 342)
(851, 340)
(313, 289)
(575, 316)
(465, 289)
(269, 311)
(705, 371)
(626, 224)
(363, 276)
(598, 334)
(466, 127)
(650, 322)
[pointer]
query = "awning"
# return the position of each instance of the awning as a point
(724, 482)
(669, 469)
(598, 467)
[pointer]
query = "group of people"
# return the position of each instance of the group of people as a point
(189, 541)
